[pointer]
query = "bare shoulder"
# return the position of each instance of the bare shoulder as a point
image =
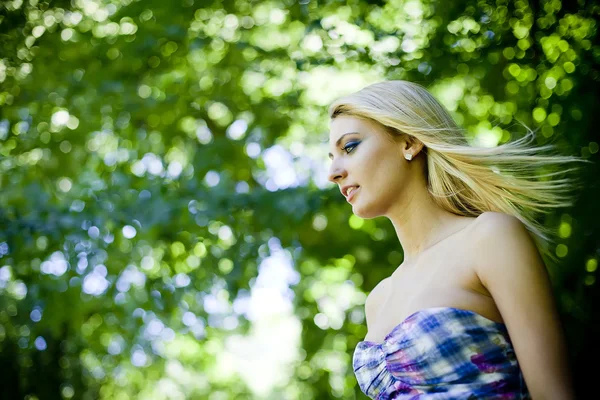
(491, 220)
(377, 294)
(501, 230)
(375, 298)
(498, 238)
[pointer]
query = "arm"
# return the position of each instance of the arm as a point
(511, 268)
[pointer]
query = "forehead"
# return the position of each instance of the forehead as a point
(344, 124)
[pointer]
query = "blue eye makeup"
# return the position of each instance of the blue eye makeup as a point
(351, 146)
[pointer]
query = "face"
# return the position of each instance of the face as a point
(370, 159)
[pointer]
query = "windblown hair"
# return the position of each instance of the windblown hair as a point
(514, 178)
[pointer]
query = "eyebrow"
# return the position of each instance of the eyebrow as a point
(337, 143)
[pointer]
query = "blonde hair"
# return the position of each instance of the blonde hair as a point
(513, 178)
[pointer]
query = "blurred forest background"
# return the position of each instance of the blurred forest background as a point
(167, 230)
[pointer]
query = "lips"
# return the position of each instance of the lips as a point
(346, 189)
(351, 192)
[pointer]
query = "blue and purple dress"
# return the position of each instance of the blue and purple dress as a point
(441, 353)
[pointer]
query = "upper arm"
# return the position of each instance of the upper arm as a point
(512, 270)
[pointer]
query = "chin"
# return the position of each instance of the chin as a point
(365, 212)
(367, 216)
(366, 209)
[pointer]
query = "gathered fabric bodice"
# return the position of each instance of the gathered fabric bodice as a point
(441, 353)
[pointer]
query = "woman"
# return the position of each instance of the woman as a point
(470, 312)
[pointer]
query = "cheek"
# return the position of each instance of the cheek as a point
(385, 168)
(376, 166)
(386, 180)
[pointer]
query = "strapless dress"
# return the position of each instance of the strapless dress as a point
(441, 353)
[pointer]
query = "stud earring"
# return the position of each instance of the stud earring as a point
(408, 156)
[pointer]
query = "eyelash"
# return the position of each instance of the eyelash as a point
(350, 145)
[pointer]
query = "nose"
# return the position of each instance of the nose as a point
(336, 172)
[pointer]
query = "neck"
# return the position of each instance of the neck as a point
(420, 223)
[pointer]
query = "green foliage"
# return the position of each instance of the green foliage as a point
(156, 156)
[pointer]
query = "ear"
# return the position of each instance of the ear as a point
(412, 145)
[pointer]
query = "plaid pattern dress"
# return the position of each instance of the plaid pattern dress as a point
(441, 353)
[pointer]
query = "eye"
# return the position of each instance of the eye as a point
(350, 146)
